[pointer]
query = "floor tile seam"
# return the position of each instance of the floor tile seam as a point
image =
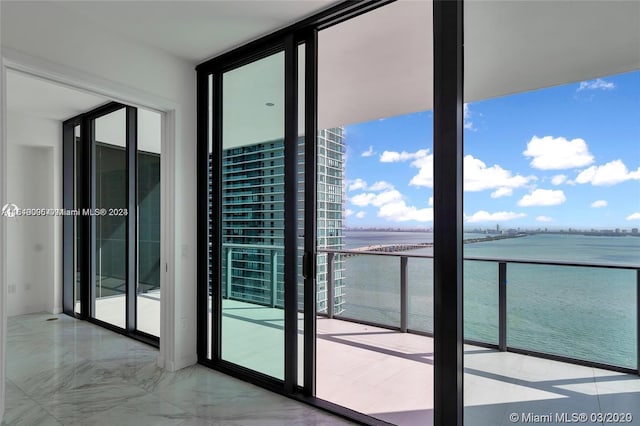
(126, 405)
(32, 399)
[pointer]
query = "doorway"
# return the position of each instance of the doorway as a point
(111, 252)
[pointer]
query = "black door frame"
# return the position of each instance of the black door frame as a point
(448, 132)
(87, 223)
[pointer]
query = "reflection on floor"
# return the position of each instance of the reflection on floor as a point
(111, 309)
(71, 372)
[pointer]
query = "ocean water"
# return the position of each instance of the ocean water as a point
(581, 312)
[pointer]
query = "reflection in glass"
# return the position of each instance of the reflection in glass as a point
(210, 214)
(300, 209)
(76, 219)
(111, 195)
(252, 252)
(148, 288)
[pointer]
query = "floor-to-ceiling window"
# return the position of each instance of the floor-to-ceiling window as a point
(375, 215)
(149, 215)
(112, 230)
(251, 256)
(255, 228)
(109, 197)
(551, 169)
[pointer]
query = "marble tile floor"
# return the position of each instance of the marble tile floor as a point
(71, 372)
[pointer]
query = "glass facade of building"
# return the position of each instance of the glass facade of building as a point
(330, 213)
(253, 212)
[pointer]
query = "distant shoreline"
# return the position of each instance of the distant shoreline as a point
(511, 233)
(394, 248)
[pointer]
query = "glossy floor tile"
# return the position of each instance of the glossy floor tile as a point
(62, 371)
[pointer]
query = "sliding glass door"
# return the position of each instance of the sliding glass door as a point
(254, 238)
(112, 230)
(252, 213)
(109, 280)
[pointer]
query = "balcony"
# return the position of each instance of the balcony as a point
(524, 354)
(385, 368)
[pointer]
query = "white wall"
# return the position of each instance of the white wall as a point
(34, 262)
(41, 38)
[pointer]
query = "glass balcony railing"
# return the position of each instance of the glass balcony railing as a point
(577, 312)
(585, 313)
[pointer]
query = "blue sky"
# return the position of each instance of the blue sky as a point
(567, 156)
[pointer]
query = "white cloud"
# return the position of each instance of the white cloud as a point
(468, 124)
(599, 203)
(431, 201)
(479, 177)
(357, 184)
(348, 212)
(502, 192)
(425, 172)
(395, 157)
(544, 219)
(596, 84)
(543, 197)
(363, 199)
(549, 153)
(398, 211)
(391, 205)
(634, 216)
(612, 173)
(558, 179)
(369, 152)
(379, 199)
(485, 216)
(381, 186)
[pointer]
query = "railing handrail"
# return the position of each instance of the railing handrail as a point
(252, 246)
(484, 259)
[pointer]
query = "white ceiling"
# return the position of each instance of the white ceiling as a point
(376, 65)
(40, 98)
(519, 45)
(194, 30)
(35, 97)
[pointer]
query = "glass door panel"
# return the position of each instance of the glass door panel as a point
(148, 183)
(252, 204)
(110, 273)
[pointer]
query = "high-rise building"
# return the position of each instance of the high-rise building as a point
(253, 219)
(330, 214)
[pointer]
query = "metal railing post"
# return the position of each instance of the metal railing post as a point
(330, 285)
(229, 268)
(502, 306)
(638, 319)
(274, 277)
(404, 294)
